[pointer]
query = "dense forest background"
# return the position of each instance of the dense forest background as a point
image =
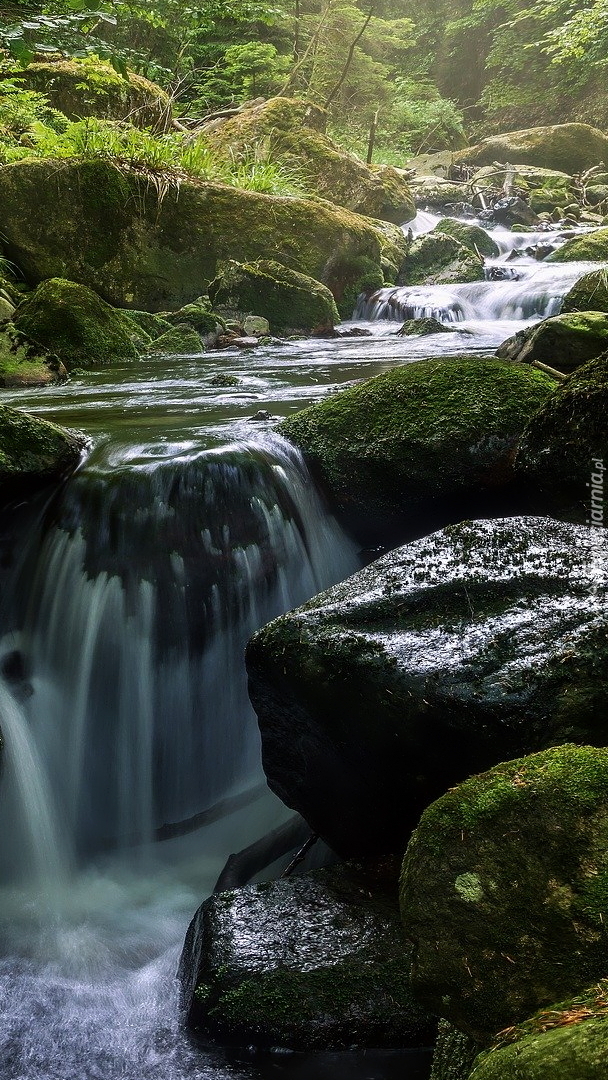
(435, 72)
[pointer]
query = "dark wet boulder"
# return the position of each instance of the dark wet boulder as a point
(447, 655)
(472, 237)
(25, 363)
(545, 189)
(590, 247)
(568, 1041)
(569, 148)
(405, 448)
(287, 299)
(564, 342)
(439, 259)
(590, 293)
(508, 872)
(313, 962)
(513, 210)
(71, 321)
(34, 452)
(563, 451)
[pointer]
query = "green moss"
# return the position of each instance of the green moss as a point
(33, 450)
(454, 1054)
(180, 340)
(565, 342)
(370, 278)
(284, 297)
(423, 327)
(591, 247)
(144, 326)
(472, 237)
(590, 293)
(198, 315)
(22, 363)
(439, 259)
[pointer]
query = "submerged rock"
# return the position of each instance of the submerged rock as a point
(439, 259)
(76, 324)
(565, 342)
(412, 442)
(569, 148)
(450, 654)
(283, 297)
(509, 872)
(109, 228)
(34, 452)
(313, 962)
(24, 363)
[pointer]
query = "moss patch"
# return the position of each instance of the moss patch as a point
(439, 259)
(23, 363)
(590, 293)
(472, 237)
(287, 299)
(565, 342)
(591, 247)
(33, 452)
(180, 340)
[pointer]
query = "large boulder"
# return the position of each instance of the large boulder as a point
(568, 148)
(472, 237)
(457, 651)
(71, 321)
(568, 1041)
(564, 450)
(590, 247)
(565, 342)
(437, 193)
(112, 230)
(92, 87)
(24, 363)
(294, 131)
(590, 293)
(504, 889)
(438, 259)
(313, 962)
(33, 452)
(404, 448)
(287, 299)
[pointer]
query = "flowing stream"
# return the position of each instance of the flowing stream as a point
(132, 761)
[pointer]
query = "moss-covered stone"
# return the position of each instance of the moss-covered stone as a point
(7, 309)
(439, 259)
(199, 316)
(437, 193)
(454, 1053)
(486, 640)
(569, 148)
(422, 432)
(564, 342)
(472, 237)
(566, 443)
(423, 327)
(509, 871)
(143, 327)
(590, 293)
(314, 962)
(33, 452)
(23, 363)
(74, 323)
(180, 340)
(287, 299)
(545, 188)
(568, 1041)
(92, 87)
(294, 131)
(109, 229)
(590, 247)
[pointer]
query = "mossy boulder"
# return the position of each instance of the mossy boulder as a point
(414, 440)
(313, 962)
(568, 1041)
(33, 452)
(545, 188)
(590, 293)
(472, 237)
(454, 1053)
(485, 640)
(439, 259)
(143, 327)
(423, 327)
(109, 229)
(293, 130)
(200, 317)
(566, 444)
(80, 88)
(77, 325)
(287, 299)
(565, 342)
(180, 340)
(590, 247)
(569, 148)
(24, 363)
(509, 872)
(437, 193)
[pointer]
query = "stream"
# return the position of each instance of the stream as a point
(124, 705)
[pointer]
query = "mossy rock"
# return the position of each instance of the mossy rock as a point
(454, 1053)
(313, 962)
(80, 88)
(143, 327)
(426, 431)
(564, 342)
(569, 148)
(423, 327)
(74, 323)
(436, 193)
(109, 229)
(568, 1041)
(591, 247)
(472, 237)
(590, 293)
(566, 443)
(287, 299)
(24, 363)
(199, 316)
(180, 340)
(486, 639)
(293, 130)
(7, 309)
(33, 452)
(439, 259)
(509, 872)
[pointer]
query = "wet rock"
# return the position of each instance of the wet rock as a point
(590, 293)
(590, 247)
(470, 236)
(256, 325)
(435, 192)
(313, 962)
(423, 327)
(283, 297)
(25, 363)
(509, 872)
(222, 379)
(34, 452)
(564, 342)
(457, 651)
(354, 331)
(439, 259)
(246, 342)
(514, 211)
(7, 309)
(569, 148)
(181, 340)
